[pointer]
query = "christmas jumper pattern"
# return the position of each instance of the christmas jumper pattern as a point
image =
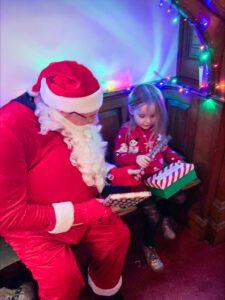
(131, 143)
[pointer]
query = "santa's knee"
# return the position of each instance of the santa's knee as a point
(63, 284)
(122, 236)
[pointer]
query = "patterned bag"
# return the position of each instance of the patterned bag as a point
(24, 292)
(125, 200)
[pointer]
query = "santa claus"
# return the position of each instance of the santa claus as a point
(52, 168)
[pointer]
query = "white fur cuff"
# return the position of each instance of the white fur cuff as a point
(64, 213)
(108, 178)
(104, 292)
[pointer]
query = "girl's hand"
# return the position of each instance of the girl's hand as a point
(143, 161)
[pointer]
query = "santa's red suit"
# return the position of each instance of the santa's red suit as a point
(46, 206)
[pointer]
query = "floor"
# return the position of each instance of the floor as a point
(193, 270)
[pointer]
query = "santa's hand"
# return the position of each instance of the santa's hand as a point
(90, 212)
(143, 161)
(114, 209)
(125, 176)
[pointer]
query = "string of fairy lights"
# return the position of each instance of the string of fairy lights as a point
(206, 84)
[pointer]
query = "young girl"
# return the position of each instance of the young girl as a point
(148, 119)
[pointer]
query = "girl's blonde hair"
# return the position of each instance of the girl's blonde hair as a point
(148, 94)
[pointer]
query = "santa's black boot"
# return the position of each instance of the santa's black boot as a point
(117, 296)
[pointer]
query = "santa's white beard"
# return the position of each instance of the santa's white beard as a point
(85, 142)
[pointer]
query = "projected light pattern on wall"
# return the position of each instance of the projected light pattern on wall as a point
(122, 41)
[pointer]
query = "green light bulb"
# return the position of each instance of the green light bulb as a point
(174, 80)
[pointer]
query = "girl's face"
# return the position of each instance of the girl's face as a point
(145, 115)
(81, 119)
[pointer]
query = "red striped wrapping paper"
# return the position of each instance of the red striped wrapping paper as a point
(169, 175)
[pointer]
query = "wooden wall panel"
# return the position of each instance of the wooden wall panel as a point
(111, 121)
(190, 133)
(220, 193)
(112, 114)
(215, 201)
(206, 135)
(177, 127)
(182, 121)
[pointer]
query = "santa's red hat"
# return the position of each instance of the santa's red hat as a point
(68, 86)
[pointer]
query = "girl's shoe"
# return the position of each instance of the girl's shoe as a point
(167, 229)
(153, 259)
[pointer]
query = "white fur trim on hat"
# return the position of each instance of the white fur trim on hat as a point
(104, 292)
(31, 92)
(81, 105)
(64, 213)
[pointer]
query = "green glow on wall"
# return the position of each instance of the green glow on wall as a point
(209, 105)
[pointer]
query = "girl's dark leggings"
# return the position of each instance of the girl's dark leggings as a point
(153, 212)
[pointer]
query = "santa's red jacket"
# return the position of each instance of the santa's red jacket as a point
(41, 197)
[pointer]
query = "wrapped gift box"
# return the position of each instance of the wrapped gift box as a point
(125, 200)
(171, 179)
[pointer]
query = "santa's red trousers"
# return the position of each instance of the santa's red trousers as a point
(53, 264)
